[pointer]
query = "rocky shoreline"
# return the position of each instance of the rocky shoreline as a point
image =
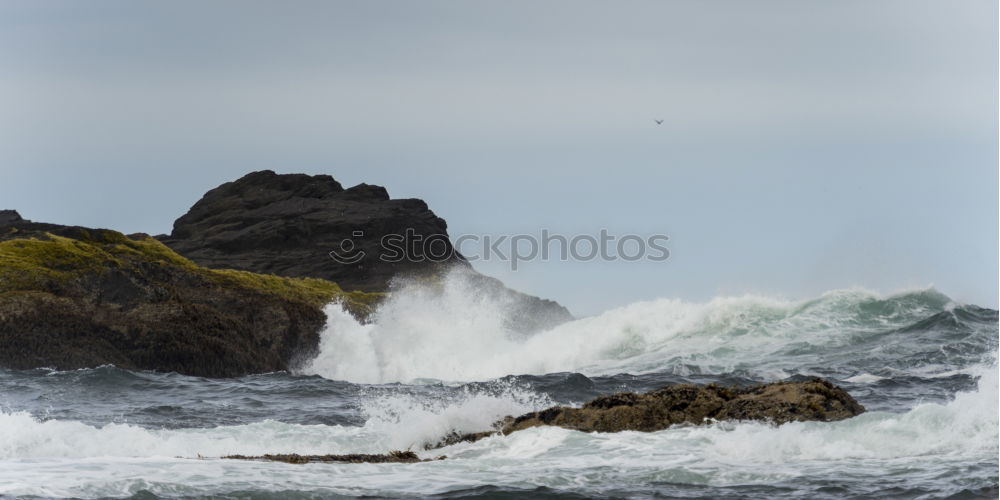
(73, 297)
(237, 288)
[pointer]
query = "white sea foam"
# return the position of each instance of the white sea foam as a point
(23, 436)
(409, 421)
(60, 458)
(400, 421)
(453, 333)
(967, 425)
(864, 378)
(395, 421)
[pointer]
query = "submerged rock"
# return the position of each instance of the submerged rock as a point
(354, 458)
(778, 403)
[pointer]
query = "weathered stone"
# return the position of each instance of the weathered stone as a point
(288, 225)
(9, 217)
(778, 403)
(73, 297)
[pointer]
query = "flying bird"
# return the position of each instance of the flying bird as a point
(658, 122)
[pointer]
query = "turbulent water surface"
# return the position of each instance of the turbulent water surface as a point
(433, 362)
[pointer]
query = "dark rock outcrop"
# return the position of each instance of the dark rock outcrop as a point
(780, 402)
(74, 297)
(8, 217)
(289, 224)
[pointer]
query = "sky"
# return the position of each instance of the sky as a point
(806, 146)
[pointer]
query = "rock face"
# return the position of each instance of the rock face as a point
(778, 403)
(9, 217)
(73, 297)
(289, 224)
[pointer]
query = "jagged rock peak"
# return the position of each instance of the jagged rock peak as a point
(10, 217)
(288, 224)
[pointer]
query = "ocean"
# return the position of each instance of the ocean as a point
(431, 362)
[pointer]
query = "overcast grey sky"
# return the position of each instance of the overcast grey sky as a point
(807, 145)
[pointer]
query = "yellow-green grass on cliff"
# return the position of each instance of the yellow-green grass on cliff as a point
(47, 262)
(315, 291)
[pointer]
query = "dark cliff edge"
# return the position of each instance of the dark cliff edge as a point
(288, 225)
(74, 297)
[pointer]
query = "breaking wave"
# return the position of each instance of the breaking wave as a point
(454, 334)
(923, 365)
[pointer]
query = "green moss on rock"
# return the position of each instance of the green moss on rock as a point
(314, 291)
(36, 264)
(48, 261)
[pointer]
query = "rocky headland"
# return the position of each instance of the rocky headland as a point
(237, 288)
(288, 224)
